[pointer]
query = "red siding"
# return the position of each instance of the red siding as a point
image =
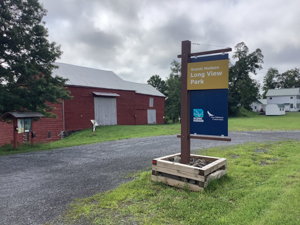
(131, 110)
(131, 107)
(6, 133)
(142, 104)
(41, 127)
(80, 110)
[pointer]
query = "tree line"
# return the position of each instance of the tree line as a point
(242, 91)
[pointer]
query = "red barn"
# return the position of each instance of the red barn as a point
(97, 95)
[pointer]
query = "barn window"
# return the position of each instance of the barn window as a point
(49, 135)
(298, 96)
(298, 106)
(151, 102)
(291, 97)
(291, 106)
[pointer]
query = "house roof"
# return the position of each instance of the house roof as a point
(280, 105)
(88, 77)
(263, 101)
(283, 92)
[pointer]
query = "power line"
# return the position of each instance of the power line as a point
(208, 45)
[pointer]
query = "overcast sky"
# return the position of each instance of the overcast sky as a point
(139, 38)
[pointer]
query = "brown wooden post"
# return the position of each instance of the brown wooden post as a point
(15, 133)
(185, 104)
(31, 132)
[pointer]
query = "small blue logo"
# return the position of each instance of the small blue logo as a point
(198, 113)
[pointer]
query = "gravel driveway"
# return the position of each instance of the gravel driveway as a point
(36, 187)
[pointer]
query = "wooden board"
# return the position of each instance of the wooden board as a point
(174, 174)
(176, 183)
(178, 172)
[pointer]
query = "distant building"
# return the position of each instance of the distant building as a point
(259, 105)
(275, 110)
(289, 97)
(100, 95)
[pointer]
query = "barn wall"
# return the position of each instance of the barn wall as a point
(142, 104)
(55, 126)
(80, 110)
(131, 110)
(131, 107)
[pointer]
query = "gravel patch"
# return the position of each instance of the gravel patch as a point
(37, 187)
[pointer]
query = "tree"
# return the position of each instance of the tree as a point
(173, 93)
(158, 83)
(242, 89)
(26, 59)
(289, 79)
(274, 80)
(270, 80)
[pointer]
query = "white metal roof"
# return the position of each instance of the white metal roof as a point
(283, 92)
(106, 94)
(88, 77)
(144, 89)
(263, 101)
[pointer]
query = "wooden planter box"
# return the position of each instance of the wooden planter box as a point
(181, 175)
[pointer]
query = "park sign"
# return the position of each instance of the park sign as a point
(208, 86)
(208, 73)
(209, 112)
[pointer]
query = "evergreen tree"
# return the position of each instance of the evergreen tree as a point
(158, 83)
(26, 59)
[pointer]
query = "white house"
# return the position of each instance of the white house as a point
(289, 97)
(275, 110)
(259, 105)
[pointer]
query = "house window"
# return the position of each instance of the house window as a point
(151, 102)
(298, 106)
(291, 97)
(298, 96)
(49, 135)
(270, 98)
(291, 106)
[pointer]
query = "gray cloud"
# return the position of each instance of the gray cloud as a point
(137, 39)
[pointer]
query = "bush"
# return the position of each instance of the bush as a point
(167, 120)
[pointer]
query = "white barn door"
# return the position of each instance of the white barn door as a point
(105, 111)
(151, 116)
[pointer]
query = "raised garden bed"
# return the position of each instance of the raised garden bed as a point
(196, 176)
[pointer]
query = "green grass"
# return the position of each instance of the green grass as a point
(105, 133)
(253, 122)
(262, 186)
(289, 121)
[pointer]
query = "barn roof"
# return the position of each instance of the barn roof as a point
(283, 92)
(88, 77)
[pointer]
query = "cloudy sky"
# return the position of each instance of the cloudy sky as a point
(139, 38)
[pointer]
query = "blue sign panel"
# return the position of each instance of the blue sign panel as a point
(209, 112)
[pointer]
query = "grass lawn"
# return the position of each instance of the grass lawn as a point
(262, 186)
(291, 121)
(106, 133)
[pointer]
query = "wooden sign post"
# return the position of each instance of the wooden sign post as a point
(185, 101)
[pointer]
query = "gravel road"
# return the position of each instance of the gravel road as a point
(37, 187)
